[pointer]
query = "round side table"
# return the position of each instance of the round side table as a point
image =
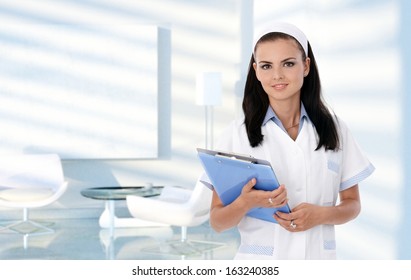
(108, 218)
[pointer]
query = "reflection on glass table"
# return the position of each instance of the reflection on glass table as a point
(108, 218)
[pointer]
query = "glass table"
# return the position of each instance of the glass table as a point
(108, 218)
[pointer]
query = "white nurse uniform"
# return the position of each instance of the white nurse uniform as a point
(310, 176)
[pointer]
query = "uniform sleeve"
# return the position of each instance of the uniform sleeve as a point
(206, 181)
(356, 166)
(224, 143)
(225, 140)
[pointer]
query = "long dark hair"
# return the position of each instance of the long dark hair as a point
(256, 102)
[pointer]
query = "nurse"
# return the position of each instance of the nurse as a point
(313, 153)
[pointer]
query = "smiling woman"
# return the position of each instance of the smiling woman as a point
(313, 153)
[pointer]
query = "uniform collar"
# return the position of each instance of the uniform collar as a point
(271, 115)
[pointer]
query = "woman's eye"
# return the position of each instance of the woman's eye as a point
(289, 64)
(265, 66)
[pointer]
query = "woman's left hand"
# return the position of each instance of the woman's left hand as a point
(301, 218)
(306, 216)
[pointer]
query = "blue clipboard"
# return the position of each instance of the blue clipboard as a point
(229, 172)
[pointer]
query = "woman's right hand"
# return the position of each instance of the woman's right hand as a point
(223, 217)
(259, 198)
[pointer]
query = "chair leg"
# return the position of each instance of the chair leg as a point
(183, 234)
(25, 214)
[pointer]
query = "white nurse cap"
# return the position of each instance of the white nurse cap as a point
(285, 28)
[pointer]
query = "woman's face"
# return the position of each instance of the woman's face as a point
(280, 68)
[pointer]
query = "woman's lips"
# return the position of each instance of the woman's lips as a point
(279, 86)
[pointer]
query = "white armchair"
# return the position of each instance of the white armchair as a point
(177, 206)
(30, 181)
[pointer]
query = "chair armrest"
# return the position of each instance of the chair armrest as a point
(175, 194)
(161, 211)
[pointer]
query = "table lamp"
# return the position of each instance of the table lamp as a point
(208, 94)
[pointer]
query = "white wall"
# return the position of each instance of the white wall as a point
(404, 240)
(197, 36)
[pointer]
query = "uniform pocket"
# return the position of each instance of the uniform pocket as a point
(328, 237)
(332, 179)
(333, 166)
(329, 245)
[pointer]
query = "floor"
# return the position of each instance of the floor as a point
(83, 239)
